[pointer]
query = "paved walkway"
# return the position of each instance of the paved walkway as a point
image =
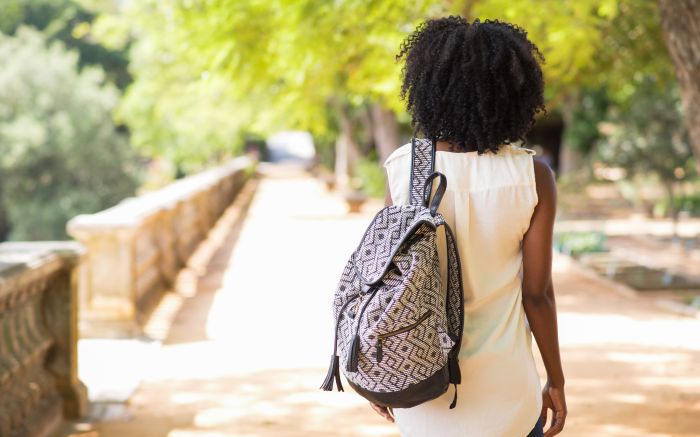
(251, 337)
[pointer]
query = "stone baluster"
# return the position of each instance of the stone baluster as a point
(38, 338)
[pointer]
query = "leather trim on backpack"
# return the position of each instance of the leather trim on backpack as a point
(415, 394)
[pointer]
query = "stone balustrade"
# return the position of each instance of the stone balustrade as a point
(136, 248)
(39, 385)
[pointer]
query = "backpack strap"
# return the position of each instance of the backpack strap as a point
(455, 290)
(422, 166)
(454, 299)
(454, 305)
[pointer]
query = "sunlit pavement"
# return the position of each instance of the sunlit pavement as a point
(252, 336)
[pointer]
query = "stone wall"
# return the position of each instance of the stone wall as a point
(135, 249)
(39, 383)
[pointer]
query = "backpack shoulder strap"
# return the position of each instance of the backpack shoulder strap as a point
(422, 166)
(455, 287)
(454, 301)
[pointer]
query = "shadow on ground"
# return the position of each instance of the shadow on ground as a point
(267, 403)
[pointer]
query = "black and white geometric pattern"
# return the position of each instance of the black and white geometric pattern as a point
(422, 166)
(389, 296)
(385, 235)
(455, 295)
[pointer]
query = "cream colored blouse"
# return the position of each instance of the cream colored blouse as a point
(488, 204)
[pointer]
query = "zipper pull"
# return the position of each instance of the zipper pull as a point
(380, 350)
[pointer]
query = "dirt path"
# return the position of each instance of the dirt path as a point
(632, 369)
(250, 342)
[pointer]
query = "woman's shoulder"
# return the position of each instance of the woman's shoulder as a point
(398, 153)
(405, 150)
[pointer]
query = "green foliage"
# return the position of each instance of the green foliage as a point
(648, 136)
(684, 202)
(37, 13)
(207, 70)
(582, 132)
(372, 177)
(69, 22)
(597, 52)
(576, 243)
(59, 152)
(588, 43)
(177, 108)
(569, 34)
(634, 52)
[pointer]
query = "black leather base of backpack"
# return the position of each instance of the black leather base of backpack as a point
(416, 394)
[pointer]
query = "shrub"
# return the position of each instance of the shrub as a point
(60, 154)
(372, 177)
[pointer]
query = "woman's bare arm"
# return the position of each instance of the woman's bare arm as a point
(538, 294)
(387, 197)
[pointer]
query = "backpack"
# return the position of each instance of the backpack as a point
(397, 335)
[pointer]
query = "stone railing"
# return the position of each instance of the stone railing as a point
(135, 249)
(39, 384)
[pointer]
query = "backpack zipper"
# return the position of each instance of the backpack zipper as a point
(380, 337)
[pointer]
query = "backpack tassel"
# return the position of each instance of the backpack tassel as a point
(454, 401)
(334, 368)
(333, 374)
(354, 355)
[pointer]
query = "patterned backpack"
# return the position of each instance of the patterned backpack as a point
(398, 333)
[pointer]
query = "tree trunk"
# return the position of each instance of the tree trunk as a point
(366, 142)
(570, 159)
(386, 131)
(4, 224)
(4, 220)
(467, 9)
(461, 7)
(345, 150)
(341, 163)
(680, 20)
(672, 212)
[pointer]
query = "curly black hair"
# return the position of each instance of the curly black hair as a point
(475, 85)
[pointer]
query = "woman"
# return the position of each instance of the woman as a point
(475, 88)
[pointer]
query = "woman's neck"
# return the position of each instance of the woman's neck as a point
(445, 146)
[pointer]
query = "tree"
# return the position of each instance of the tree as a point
(604, 45)
(207, 70)
(60, 154)
(649, 138)
(276, 64)
(69, 22)
(681, 23)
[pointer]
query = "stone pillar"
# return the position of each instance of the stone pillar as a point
(108, 281)
(61, 315)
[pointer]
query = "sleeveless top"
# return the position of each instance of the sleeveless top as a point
(489, 201)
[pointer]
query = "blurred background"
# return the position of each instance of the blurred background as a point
(181, 182)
